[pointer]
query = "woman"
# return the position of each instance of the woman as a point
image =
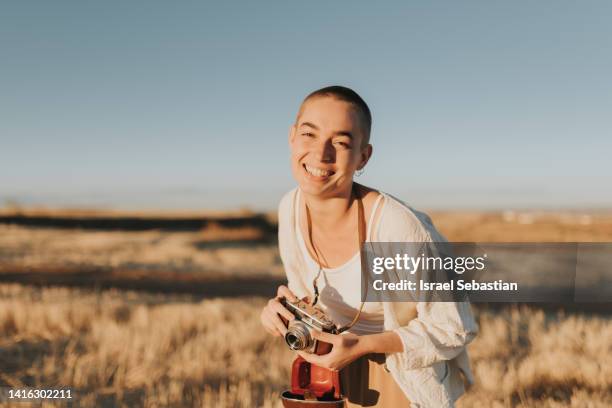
(395, 354)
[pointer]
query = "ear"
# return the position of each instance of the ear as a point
(366, 153)
(291, 133)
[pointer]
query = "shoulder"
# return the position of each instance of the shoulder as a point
(284, 207)
(400, 222)
(285, 230)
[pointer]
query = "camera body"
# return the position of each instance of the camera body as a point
(307, 318)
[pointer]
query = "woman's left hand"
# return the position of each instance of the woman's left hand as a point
(346, 348)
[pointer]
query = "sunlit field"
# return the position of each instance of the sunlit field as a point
(120, 347)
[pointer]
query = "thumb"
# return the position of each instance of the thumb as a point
(326, 337)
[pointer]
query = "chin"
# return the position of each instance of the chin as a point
(327, 190)
(311, 188)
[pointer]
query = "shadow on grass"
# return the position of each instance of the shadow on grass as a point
(209, 284)
(18, 359)
(255, 243)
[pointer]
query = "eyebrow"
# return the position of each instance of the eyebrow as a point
(309, 125)
(345, 133)
(338, 133)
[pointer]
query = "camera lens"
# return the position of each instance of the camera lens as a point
(293, 341)
(298, 336)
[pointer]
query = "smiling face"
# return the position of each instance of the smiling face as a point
(327, 146)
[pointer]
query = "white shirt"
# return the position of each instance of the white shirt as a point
(430, 368)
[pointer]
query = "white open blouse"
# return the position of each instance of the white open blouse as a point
(434, 363)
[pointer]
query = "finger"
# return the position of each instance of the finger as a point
(268, 324)
(326, 337)
(277, 323)
(312, 358)
(284, 291)
(276, 307)
(272, 322)
(281, 310)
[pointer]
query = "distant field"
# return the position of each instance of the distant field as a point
(525, 226)
(242, 247)
(158, 347)
(114, 213)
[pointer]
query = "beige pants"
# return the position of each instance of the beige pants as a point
(366, 383)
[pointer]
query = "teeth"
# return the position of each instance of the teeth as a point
(318, 172)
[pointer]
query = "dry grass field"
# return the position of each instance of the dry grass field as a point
(140, 348)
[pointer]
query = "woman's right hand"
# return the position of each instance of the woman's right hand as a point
(270, 314)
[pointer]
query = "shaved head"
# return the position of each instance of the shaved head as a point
(345, 94)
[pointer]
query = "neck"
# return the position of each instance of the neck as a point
(329, 211)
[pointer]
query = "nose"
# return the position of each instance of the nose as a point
(325, 151)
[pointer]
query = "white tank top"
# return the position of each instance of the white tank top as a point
(340, 287)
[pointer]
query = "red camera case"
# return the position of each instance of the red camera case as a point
(318, 381)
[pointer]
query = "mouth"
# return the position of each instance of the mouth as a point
(317, 173)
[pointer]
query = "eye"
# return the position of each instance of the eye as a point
(308, 134)
(344, 145)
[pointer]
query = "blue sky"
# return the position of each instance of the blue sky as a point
(187, 104)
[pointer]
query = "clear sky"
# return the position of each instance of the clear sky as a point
(160, 104)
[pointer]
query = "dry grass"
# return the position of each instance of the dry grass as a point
(126, 348)
(122, 348)
(143, 250)
(524, 357)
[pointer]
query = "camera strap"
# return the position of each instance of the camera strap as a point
(361, 226)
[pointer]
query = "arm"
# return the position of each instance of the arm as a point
(385, 342)
(441, 329)
(270, 315)
(348, 347)
(440, 332)
(288, 249)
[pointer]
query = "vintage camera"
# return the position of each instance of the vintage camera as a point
(307, 318)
